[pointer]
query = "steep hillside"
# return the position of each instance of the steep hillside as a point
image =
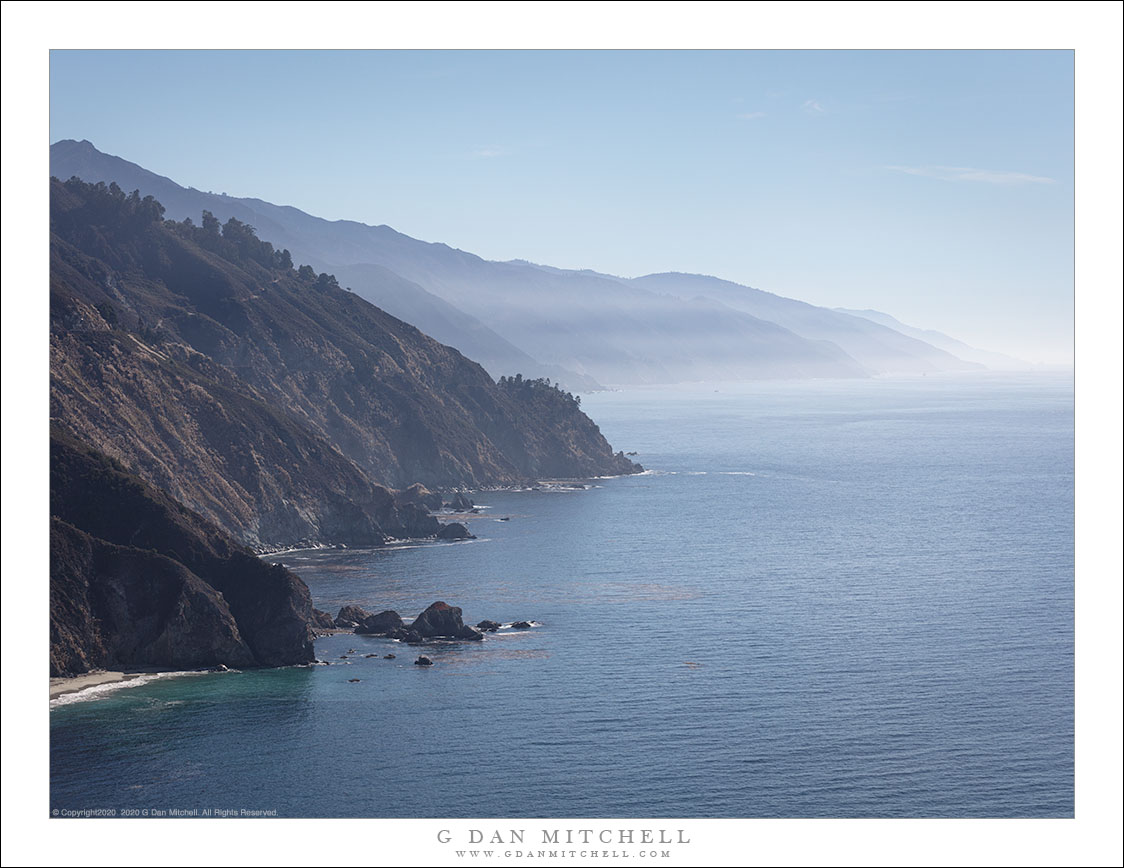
(138, 580)
(324, 245)
(265, 397)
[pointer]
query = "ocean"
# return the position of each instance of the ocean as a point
(823, 599)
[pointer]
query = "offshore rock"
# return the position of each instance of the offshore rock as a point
(454, 530)
(442, 621)
(405, 634)
(488, 626)
(350, 616)
(380, 624)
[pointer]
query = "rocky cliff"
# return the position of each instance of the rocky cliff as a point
(267, 398)
(139, 580)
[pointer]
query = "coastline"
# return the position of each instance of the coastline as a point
(67, 685)
(577, 483)
(62, 685)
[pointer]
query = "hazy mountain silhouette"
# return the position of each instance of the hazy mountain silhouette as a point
(593, 325)
(993, 360)
(879, 348)
(575, 326)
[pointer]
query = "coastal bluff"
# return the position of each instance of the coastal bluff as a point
(138, 580)
(269, 399)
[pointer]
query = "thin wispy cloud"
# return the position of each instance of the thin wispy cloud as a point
(750, 116)
(963, 173)
(813, 106)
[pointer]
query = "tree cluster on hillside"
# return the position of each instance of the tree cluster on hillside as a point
(540, 388)
(232, 240)
(110, 201)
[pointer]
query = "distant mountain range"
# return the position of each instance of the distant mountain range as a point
(581, 328)
(875, 346)
(993, 360)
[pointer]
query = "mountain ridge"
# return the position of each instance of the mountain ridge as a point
(267, 398)
(992, 360)
(575, 324)
(877, 347)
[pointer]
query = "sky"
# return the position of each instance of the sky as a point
(936, 186)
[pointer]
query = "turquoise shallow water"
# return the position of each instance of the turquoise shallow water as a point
(826, 599)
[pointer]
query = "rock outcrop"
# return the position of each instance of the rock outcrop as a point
(411, 521)
(139, 580)
(96, 589)
(460, 503)
(454, 530)
(380, 624)
(443, 621)
(350, 616)
(420, 495)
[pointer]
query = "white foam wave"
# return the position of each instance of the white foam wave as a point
(100, 691)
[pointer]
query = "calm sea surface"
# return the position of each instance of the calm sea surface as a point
(825, 599)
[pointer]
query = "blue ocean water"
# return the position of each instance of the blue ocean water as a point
(825, 599)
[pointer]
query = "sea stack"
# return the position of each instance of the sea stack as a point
(442, 621)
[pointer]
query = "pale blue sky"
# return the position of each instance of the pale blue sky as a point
(934, 185)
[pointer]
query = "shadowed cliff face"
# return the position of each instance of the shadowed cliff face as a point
(120, 606)
(268, 399)
(139, 580)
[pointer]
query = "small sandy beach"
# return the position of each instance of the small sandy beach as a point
(59, 686)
